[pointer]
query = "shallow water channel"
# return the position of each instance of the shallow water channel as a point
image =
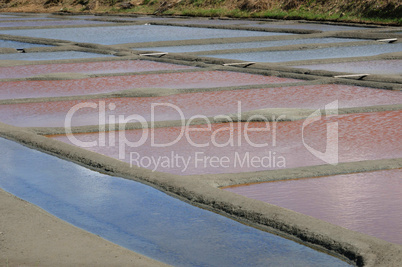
(144, 219)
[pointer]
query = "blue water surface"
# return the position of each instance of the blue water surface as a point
(142, 218)
(14, 44)
(310, 54)
(50, 55)
(13, 18)
(243, 45)
(134, 34)
(311, 26)
(49, 23)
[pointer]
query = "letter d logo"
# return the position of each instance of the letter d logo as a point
(331, 151)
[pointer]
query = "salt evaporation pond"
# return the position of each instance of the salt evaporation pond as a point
(53, 114)
(199, 79)
(134, 34)
(6, 16)
(144, 219)
(372, 67)
(14, 18)
(210, 21)
(310, 54)
(369, 202)
(224, 148)
(50, 55)
(142, 18)
(49, 23)
(16, 45)
(245, 45)
(311, 26)
(120, 66)
(83, 17)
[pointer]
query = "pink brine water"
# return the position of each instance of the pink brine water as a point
(201, 79)
(87, 67)
(228, 148)
(370, 203)
(53, 114)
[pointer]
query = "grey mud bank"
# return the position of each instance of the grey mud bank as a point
(36, 240)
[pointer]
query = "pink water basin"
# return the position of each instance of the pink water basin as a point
(176, 107)
(247, 147)
(370, 203)
(201, 79)
(88, 67)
